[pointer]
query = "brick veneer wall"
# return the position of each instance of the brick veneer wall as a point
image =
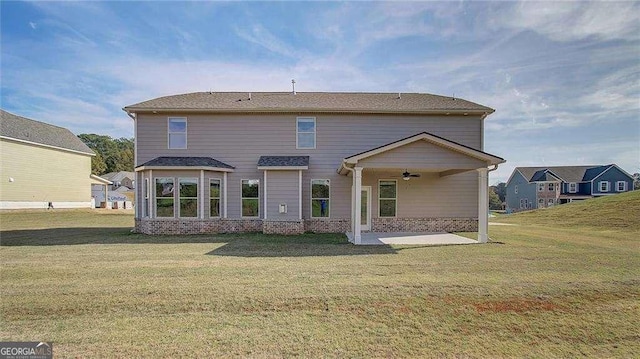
(157, 226)
(424, 224)
(327, 225)
(283, 227)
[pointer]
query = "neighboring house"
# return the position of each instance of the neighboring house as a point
(320, 162)
(121, 188)
(541, 187)
(41, 164)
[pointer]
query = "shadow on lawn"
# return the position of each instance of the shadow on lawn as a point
(237, 245)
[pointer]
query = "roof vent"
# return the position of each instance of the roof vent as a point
(249, 96)
(399, 95)
(293, 85)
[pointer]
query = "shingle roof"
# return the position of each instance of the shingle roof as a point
(185, 162)
(566, 173)
(283, 161)
(310, 101)
(118, 176)
(25, 129)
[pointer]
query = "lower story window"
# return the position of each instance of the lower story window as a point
(551, 201)
(604, 186)
(250, 198)
(164, 197)
(388, 197)
(214, 198)
(540, 203)
(621, 186)
(320, 198)
(188, 197)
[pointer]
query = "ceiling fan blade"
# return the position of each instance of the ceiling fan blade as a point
(416, 175)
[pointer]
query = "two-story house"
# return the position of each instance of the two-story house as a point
(287, 162)
(542, 187)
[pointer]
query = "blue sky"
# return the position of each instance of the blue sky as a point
(564, 77)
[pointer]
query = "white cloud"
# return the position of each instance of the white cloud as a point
(33, 25)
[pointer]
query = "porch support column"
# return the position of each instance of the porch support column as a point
(152, 195)
(483, 205)
(202, 194)
(265, 195)
(357, 238)
(224, 195)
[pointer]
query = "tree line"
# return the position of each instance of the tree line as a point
(112, 154)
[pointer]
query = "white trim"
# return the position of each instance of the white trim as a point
(100, 179)
(369, 214)
(575, 189)
(241, 198)
(48, 146)
(396, 199)
(173, 196)
(180, 197)
(42, 205)
(429, 138)
(152, 193)
(357, 227)
(603, 190)
(136, 209)
(483, 205)
(201, 194)
(624, 187)
(610, 166)
(282, 168)
(224, 195)
(315, 131)
(300, 195)
(183, 168)
(264, 200)
(186, 131)
(219, 195)
(311, 198)
(135, 139)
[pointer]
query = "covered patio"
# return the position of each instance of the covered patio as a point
(432, 198)
(429, 239)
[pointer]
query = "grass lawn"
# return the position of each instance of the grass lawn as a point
(543, 289)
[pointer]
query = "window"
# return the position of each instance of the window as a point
(540, 202)
(188, 197)
(516, 189)
(540, 187)
(604, 186)
(550, 202)
(387, 194)
(214, 198)
(145, 207)
(177, 130)
(521, 203)
(573, 187)
(552, 187)
(306, 133)
(320, 198)
(164, 197)
(250, 198)
(621, 186)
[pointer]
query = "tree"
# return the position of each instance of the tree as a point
(494, 200)
(112, 155)
(636, 181)
(501, 190)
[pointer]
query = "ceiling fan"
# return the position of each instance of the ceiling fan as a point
(407, 176)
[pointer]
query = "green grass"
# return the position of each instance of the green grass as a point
(542, 289)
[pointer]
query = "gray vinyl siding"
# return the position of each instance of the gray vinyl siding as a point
(612, 175)
(282, 187)
(239, 140)
(413, 156)
(525, 190)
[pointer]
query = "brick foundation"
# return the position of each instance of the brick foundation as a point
(283, 227)
(327, 225)
(424, 224)
(174, 226)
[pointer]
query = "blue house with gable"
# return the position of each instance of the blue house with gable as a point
(542, 187)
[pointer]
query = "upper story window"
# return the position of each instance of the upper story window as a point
(177, 130)
(306, 132)
(621, 186)
(604, 186)
(573, 187)
(540, 187)
(516, 189)
(552, 187)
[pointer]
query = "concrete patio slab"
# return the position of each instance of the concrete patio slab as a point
(432, 239)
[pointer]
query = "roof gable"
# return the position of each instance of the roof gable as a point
(26, 130)
(433, 139)
(312, 102)
(565, 173)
